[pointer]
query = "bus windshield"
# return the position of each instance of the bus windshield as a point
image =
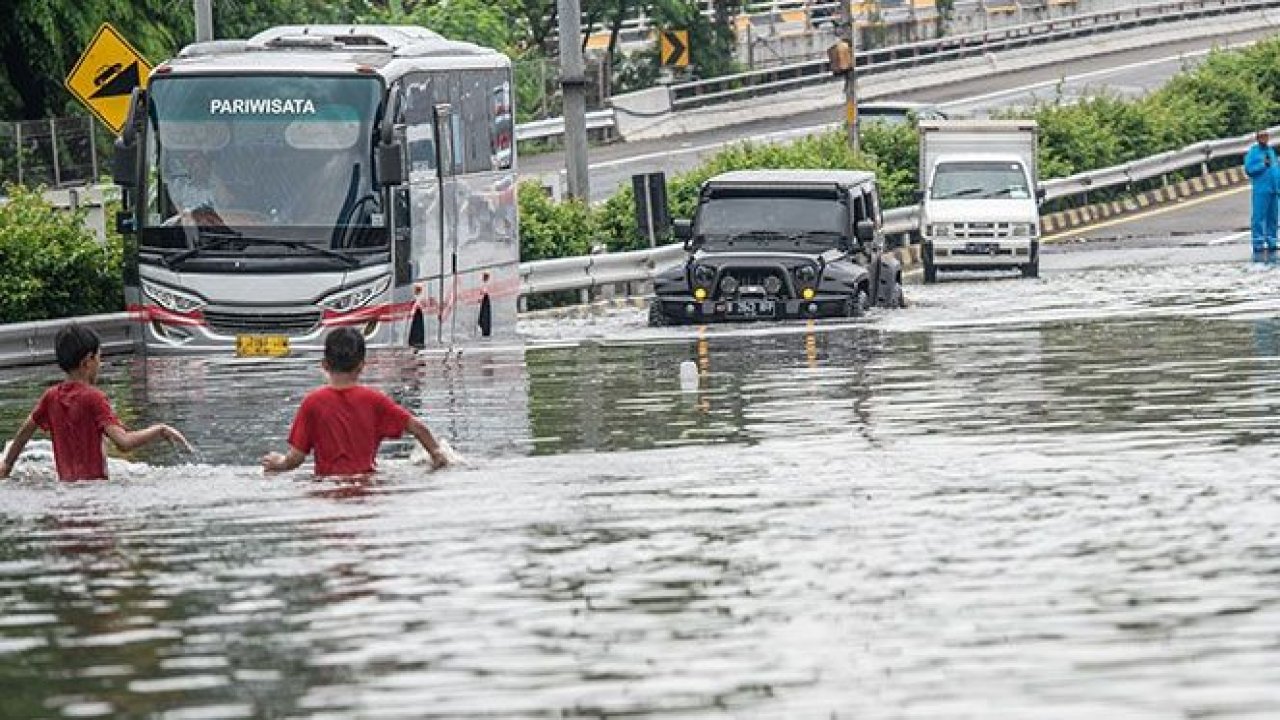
(275, 157)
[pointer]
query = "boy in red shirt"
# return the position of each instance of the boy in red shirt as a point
(344, 421)
(77, 414)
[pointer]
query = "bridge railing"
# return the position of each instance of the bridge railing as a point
(788, 77)
(592, 271)
(757, 83)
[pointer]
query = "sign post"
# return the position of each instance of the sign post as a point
(106, 74)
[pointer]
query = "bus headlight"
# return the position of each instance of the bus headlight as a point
(1022, 229)
(356, 297)
(940, 230)
(170, 299)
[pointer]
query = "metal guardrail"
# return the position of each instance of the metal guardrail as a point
(554, 127)
(787, 77)
(31, 343)
(585, 272)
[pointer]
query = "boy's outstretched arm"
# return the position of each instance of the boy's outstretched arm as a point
(275, 462)
(127, 440)
(420, 431)
(15, 448)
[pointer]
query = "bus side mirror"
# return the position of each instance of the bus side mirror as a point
(683, 229)
(919, 196)
(391, 164)
(1040, 194)
(124, 164)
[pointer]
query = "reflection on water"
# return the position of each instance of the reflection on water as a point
(981, 507)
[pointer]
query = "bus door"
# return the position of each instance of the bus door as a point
(447, 163)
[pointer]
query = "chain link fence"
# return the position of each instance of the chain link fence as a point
(57, 152)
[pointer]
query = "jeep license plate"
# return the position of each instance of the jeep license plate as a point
(980, 248)
(752, 308)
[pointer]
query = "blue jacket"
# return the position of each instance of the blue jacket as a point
(1266, 178)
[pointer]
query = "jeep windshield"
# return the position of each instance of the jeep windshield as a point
(771, 223)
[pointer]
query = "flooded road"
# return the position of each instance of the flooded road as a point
(1015, 499)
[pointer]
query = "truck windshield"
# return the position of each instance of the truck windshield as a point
(979, 179)
(747, 222)
(283, 157)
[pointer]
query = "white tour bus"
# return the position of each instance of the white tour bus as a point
(313, 177)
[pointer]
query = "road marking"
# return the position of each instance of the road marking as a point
(1073, 78)
(1230, 239)
(1157, 210)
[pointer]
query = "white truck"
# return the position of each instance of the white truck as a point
(979, 196)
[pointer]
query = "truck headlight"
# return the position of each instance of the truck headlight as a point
(1023, 229)
(356, 297)
(170, 299)
(940, 230)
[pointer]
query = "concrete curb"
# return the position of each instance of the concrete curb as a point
(1074, 218)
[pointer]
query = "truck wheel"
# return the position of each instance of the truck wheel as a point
(1032, 269)
(930, 270)
(657, 318)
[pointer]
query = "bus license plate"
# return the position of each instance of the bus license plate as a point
(981, 248)
(262, 345)
(753, 308)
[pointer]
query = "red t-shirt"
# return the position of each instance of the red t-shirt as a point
(76, 415)
(344, 426)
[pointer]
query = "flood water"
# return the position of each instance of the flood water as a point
(1015, 499)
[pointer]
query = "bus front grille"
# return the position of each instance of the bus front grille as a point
(235, 322)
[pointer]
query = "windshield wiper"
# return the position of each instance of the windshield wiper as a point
(223, 238)
(962, 192)
(214, 239)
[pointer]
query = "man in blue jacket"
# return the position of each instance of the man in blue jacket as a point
(1260, 166)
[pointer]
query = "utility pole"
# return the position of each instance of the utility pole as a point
(849, 34)
(204, 20)
(573, 86)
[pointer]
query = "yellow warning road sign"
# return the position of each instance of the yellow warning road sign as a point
(106, 74)
(674, 47)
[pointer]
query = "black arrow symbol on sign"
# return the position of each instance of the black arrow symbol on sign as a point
(677, 48)
(122, 84)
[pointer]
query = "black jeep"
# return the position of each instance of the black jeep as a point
(774, 244)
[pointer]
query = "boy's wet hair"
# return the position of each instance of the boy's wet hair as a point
(73, 344)
(344, 350)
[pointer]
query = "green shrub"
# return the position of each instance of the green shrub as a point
(549, 229)
(54, 267)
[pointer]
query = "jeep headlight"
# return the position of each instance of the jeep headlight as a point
(170, 299)
(1023, 229)
(356, 297)
(806, 274)
(704, 275)
(940, 229)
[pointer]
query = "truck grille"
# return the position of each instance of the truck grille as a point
(232, 322)
(982, 230)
